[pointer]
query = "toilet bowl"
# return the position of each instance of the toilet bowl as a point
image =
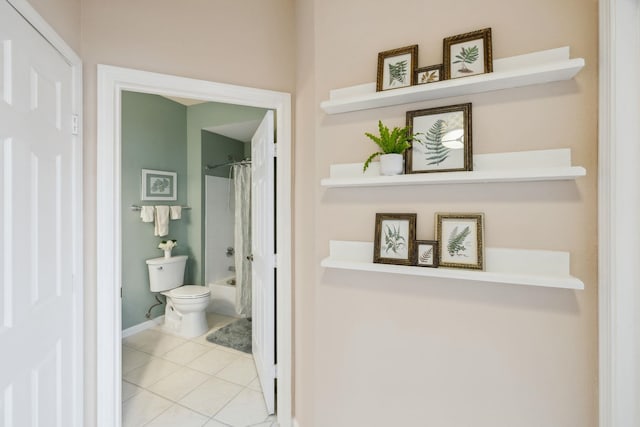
(185, 308)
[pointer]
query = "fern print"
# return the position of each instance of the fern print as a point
(436, 152)
(426, 257)
(398, 72)
(393, 241)
(467, 56)
(455, 245)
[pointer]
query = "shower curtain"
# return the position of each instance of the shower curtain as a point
(242, 237)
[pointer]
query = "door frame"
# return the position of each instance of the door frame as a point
(111, 82)
(618, 211)
(49, 34)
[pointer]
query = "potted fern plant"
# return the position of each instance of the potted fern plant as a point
(392, 143)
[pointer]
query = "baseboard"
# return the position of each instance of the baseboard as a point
(143, 326)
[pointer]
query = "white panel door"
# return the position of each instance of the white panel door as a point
(40, 370)
(263, 248)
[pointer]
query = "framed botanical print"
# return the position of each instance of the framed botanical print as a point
(159, 185)
(395, 238)
(468, 54)
(395, 68)
(442, 140)
(427, 253)
(430, 74)
(461, 237)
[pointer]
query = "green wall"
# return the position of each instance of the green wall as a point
(217, 149)
(199, 117)
(161, 134)
(153, 137)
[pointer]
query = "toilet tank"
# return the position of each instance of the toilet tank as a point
(166, 273)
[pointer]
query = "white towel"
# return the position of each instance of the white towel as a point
(146, 213)
(162, 221)
(176, 212)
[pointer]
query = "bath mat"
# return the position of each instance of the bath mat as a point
(236, 335)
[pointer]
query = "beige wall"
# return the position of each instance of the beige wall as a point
(304, 218)
(244, 42)
(64, 17)
(380, 350)
(404, 351)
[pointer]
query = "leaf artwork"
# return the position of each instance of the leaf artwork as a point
(456, 241)
(398, 72)
(429, 77)
(467, 56)
(159, 185)
(436, 151)
(393, 241)
(426, 257)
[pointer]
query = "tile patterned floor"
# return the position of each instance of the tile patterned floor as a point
(172, 381)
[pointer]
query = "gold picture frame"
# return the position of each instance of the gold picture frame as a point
(468, 54)
(427, 253)
(461, 238)
(396, 68)
(430, 74)
(395, 238)
(442, 140)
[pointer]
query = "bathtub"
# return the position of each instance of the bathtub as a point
(223, 297)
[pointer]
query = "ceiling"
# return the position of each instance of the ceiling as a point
(185, 101)
(241, 131)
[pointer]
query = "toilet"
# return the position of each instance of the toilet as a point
(184, 314)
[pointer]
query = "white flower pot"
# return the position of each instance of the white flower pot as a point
(167, 253)
(391, 164)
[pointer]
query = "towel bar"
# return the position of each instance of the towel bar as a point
(137, 208)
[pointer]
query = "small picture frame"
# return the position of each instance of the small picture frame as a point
(427, 253)
(159, 185)
(468, 54)
(395, 68)
(395, 238)
(461, 237)
(430, 74)
(443, 140)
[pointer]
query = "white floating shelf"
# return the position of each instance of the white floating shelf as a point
(516, 71)
(511, 266)
(538, 165)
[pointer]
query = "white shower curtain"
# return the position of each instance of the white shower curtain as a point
(242, 237)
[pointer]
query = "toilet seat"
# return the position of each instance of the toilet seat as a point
(188, 291)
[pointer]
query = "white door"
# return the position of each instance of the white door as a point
(40, 337)
(263, 249)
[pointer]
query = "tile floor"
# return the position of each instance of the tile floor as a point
(172, 381)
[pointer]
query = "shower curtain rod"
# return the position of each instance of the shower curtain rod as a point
(241, 162)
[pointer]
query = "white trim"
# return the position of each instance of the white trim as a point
(143, 326)
(618, 211)
(30, 14)
(295, 423)
(49, 34)
(111, 81)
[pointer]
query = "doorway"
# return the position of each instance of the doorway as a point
(111, 82)
(168, 374)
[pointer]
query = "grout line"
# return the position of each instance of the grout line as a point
(229, 401)
(182, 365)
(157, 416)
